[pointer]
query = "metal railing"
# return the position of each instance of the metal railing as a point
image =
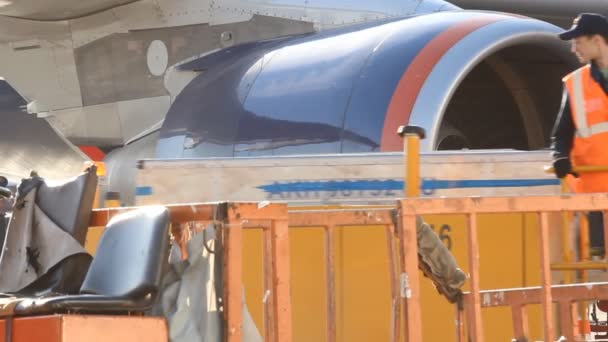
(400, 227)
(584, 263)
(546, 294)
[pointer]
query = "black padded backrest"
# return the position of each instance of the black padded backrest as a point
(69, 204)
(131, 254)
(5, 192)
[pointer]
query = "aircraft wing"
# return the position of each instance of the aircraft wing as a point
(59, 10)
(30, 143)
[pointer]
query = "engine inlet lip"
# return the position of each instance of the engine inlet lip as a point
(449, 72)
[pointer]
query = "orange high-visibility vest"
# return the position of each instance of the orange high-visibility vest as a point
(589, 107)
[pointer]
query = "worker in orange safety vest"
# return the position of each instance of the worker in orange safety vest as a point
(580, 134)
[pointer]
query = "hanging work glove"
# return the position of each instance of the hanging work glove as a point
(562, 167)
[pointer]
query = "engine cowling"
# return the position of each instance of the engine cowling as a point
(482, 79)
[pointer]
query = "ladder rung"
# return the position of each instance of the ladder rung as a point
(581, 265)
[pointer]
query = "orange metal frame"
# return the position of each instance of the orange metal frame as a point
(274, 220)
(515, 298)
(238, 216)
(89, 328)
(400, 226)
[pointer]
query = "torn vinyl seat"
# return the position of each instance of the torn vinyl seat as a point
(43, 251)
(125, 275)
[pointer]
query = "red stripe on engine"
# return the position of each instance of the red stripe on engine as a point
(93, 152)
(408, 88)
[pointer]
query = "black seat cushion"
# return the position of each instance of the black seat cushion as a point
(94, 304)
(4, 192)
(126, 272)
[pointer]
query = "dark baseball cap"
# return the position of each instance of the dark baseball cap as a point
(586, 24)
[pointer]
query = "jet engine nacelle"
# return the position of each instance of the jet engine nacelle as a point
(495, 78)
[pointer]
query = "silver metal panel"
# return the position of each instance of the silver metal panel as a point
(16, 30)
(37, 60)
(391, 8)
(51, 66)
(185, 12)
(385, 158)
(112, 123)
(360, 179)
(327, 14)
(100, 25)
(115, 68)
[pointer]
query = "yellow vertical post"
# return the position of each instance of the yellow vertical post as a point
(584, 325)
(566, 250)
(583, 245)
(567, 256)
(411, 153)
(584, 242)
(409, 266)
(101, 176)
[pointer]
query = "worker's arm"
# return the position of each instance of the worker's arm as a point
(562, 138)
(563, 131)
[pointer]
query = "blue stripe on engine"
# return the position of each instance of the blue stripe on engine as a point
(143, 191)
